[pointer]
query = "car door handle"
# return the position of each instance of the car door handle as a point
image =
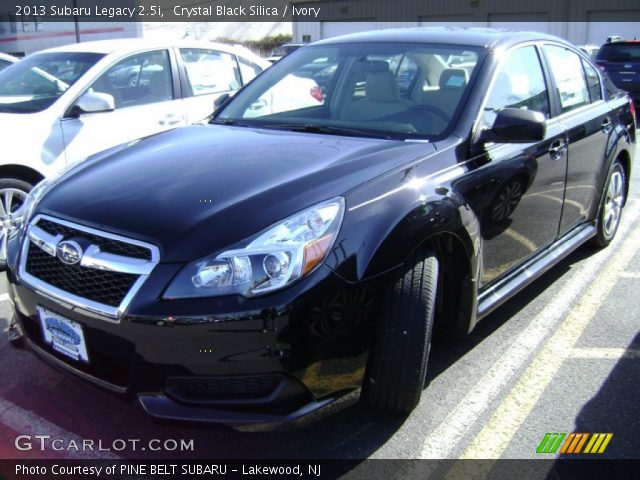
(170, 119)
(556, 149)
(607, 125)
(258, 104)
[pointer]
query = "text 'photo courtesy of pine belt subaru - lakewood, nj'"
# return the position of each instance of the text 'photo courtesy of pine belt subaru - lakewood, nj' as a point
(257, 269)
(61, 105)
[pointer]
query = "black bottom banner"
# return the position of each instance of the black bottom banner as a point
(318, 469)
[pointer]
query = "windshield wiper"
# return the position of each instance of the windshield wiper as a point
(330, 130)
(228, 121)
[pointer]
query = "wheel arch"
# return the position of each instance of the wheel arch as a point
(21, 172)
(625, 160)
(456, 299)
(444, 225)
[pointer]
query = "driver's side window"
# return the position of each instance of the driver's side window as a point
(137, 80)
(520, 84)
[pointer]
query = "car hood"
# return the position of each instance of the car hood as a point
(196, 190)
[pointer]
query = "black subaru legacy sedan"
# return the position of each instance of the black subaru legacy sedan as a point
(299, 251)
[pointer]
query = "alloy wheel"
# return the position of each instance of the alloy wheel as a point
(11, 200)
(613, 203)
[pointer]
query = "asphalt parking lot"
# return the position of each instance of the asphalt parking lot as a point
(562, 357)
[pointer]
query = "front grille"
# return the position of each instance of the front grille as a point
(106, 244)
(108, 288)
(202, 389)
(104, 283)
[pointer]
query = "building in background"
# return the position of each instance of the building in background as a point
(235, 31)
(21, 38)
(579, 21)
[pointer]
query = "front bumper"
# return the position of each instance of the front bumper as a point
(268, 360)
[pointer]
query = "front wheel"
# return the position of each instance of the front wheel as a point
(398, 358)
(613, 198)
(13, 193)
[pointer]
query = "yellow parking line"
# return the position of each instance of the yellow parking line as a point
(494, 438)
(634, 275)
(454, 430)
(604, 353)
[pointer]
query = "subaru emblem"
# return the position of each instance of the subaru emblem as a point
(69, 252)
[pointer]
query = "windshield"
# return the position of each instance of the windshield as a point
(393, 90)
(34, 83)
(620, 52)
(4, 63)
(283, 50)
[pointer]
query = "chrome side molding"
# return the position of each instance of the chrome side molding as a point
(504, 289)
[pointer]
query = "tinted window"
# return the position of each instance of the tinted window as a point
(248, 70)
(593, 82)
(360, 89)
(620, 52)
(283, 50)
(519, 83)
(138, 80)
(210, 71)
(566, 68)
(37, 81)
(4, 63)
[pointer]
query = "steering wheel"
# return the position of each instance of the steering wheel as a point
(433, 110)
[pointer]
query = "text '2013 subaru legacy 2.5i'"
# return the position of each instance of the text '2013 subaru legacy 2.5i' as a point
(261, 267)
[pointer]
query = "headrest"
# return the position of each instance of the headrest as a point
(381, 87)
(374, 66)
(453, 78)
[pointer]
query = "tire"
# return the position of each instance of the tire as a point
(611, 204)
(398, 358)
(15, 191)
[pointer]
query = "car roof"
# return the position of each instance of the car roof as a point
(6, 56)
(478, 37)
(134, 44)
(621, 42)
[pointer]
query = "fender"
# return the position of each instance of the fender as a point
(619, 142)
(405, 209)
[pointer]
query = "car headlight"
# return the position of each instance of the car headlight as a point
(282, 254)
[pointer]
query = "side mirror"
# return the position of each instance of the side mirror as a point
(221, 101)
(94, 102)
(514, 125)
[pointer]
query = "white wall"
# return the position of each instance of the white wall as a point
(28, 37)
(576, 32)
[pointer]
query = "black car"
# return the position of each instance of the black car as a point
(300, 251)
(621, 61)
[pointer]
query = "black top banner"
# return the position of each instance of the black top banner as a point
(321, 10)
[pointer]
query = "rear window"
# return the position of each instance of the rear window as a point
(620, 52)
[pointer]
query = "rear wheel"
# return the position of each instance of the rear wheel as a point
(13, 192)
(613, 198)
(398, 358)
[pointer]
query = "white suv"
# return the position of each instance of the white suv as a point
(61, 105)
